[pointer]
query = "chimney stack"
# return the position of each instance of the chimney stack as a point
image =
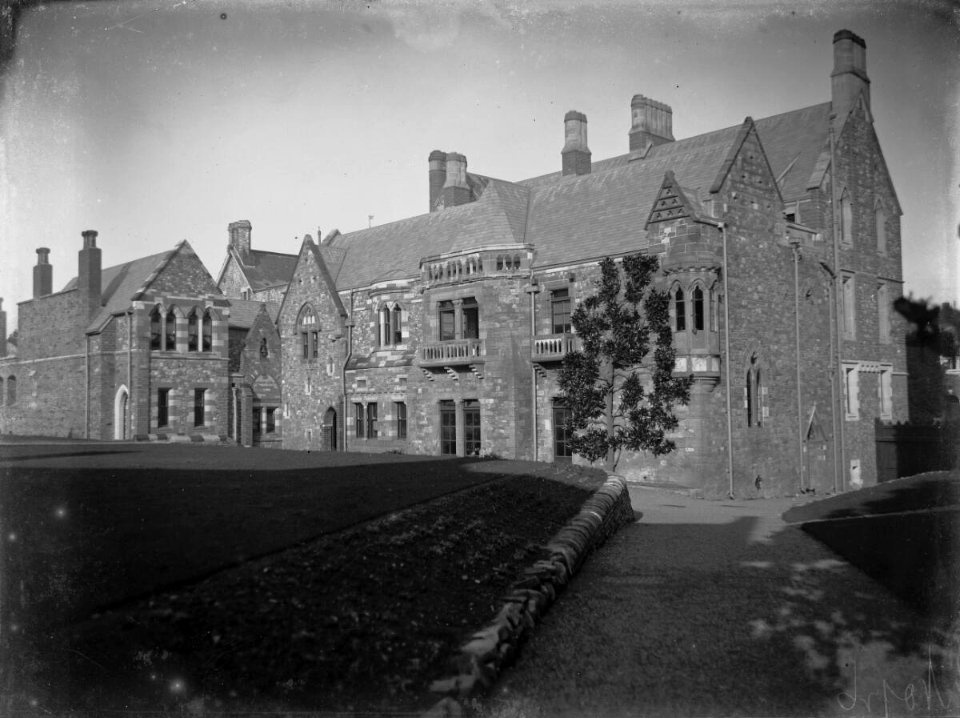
(849, 77)
(88, 271)
(437, 163)
(3, 330)
(239, 233)
(575, 152)
(651, 121)
(456, 191)
(42, 274)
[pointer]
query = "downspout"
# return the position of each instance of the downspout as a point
(833, 384)
(533, 290)
(838, 408)
(130, 403)
(86, 382)
(343, 370)
(722, 226)
(795, 243)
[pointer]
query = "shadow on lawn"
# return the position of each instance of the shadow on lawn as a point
(719, 619)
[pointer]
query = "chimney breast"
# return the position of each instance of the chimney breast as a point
(849, 77)
(239, 233)
(650, 121)
(456, 191)
(437, 163)
(575, 153)
(42, 273)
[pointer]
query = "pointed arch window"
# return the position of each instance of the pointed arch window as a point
(390, 325)
(193, 335)
(881, 220)
(754, 394)
(699, 310)
(207, 332)
(846, 219)
(309, 329)
(679, 310)
(156, 328)
(170, 332)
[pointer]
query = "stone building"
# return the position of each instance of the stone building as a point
(779, 241)
(253, 274)
(138, 350)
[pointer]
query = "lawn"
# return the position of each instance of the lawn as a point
(903, 533)
(170, 578)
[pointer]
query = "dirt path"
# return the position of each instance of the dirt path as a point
(720, 608)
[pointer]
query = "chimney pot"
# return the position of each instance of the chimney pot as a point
(849, 77)
(575, 155)
(239, 233)
(89, 271)
(651, 121)
(89, 238)
(456, 191)
(437, 173)
(42, 273)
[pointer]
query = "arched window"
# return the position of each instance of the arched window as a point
(207, 332)
(11, 390)
(390, 325)
(846, 218)
(680, 310)
(309, 329)
(753, 394)
(699, 311)
(396, 324)
(170, 332)
(156, 328)
(881, 220)
(193, 336)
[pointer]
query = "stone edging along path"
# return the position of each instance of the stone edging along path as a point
(489, 650)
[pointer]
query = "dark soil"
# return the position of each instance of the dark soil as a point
(363, 619)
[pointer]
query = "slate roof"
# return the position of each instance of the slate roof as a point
(264, 270)
(243, 312)
(574, 218)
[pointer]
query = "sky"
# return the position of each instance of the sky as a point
(154, 121)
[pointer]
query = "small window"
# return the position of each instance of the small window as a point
(257, 425)
(207, 332)
(372, 420)
(163, 408)
(471, 318)
(309, 329)
(170, 342)
(193, 335)
(11, 390)
(271, 419)
(560, 311)
(199, 406)
(156, 329)
(680, 310)
(264, 350)
(400, 408)
(848, 299)
(358, 420)
(396, 324)
(885, 390)
(754, 394)
(699, 312)
(390, 329)
(846, 219)
(851, 391)
(447, 321)
(881, 220)
(883, 312)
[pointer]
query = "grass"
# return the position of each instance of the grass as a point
(151, 580)
(903, 533)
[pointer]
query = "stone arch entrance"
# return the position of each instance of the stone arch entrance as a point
(330, 429)
(121, 414)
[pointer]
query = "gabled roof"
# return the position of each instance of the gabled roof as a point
(262, 269)
(572, 218)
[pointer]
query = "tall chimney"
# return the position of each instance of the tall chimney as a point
(651, 121)
(42, 274)
(438, 176)
(849, 77)
(575, 152)
(240, 236)
(456, 191)
(88, 271)
(3, 330)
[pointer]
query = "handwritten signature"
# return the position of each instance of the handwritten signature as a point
(923, 696)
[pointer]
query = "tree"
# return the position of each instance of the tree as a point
(612, 408)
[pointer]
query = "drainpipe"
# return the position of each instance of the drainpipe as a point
(838, 408)
(343, 370)
(130, 404)
(833, 384)
(722, 226)
(533, 290)
(86, 383)
(795, 243)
